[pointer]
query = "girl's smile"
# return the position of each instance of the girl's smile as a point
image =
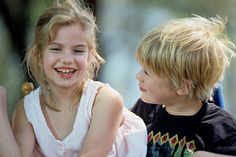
(65, 72)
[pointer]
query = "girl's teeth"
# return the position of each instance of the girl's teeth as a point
(64, 71)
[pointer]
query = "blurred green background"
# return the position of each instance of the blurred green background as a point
(122, 24)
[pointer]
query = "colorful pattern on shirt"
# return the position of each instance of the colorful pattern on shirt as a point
(169, 146)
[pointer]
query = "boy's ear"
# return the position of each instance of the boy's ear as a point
(185, 88)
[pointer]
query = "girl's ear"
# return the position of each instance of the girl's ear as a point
(91, 54)
(185, 88)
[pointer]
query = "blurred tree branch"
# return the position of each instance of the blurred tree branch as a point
(15, 20)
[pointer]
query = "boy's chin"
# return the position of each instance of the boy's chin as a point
(146, 100)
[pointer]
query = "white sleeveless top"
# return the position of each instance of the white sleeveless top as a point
(131, 139)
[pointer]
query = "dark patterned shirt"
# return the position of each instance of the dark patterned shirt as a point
(211, 129)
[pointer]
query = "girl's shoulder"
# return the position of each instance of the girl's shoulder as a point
(107, 97)
(107, 93)
(104, 92)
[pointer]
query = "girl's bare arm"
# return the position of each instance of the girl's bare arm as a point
(106, 119)
(23, 131)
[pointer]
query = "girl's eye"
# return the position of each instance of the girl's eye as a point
(79, 51)
(55, 49)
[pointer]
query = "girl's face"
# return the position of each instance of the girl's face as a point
(66, 57)
(154, 89)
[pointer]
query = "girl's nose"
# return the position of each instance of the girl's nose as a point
(67, 58)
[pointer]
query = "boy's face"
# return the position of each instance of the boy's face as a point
(154, 89)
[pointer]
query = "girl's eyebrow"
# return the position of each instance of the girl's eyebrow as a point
(55, 44)
(58, 44)
(81, 45)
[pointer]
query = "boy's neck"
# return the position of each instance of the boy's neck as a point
(187, 107)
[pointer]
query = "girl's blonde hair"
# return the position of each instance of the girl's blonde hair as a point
(62, 12)
(189, 49)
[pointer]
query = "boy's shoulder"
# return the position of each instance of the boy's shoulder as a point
(145, 110)
(218, 114)
(209, 113)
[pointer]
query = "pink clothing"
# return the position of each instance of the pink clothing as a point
(131, 139)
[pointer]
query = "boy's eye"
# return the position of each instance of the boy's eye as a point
(145, 72)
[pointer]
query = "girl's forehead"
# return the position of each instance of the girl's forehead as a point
(74, 28)
(72, 33)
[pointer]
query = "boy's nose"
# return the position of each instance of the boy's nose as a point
(138, 76)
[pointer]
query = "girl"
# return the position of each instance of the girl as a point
(69, 114)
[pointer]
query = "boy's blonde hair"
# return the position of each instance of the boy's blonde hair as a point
(189, 49)
(61, 13)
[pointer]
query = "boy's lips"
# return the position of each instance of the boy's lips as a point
(142, 89)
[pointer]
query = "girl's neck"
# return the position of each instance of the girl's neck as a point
(58, 98)
(188, 107)
(60, 93)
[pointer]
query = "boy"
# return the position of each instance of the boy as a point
(182, 62)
